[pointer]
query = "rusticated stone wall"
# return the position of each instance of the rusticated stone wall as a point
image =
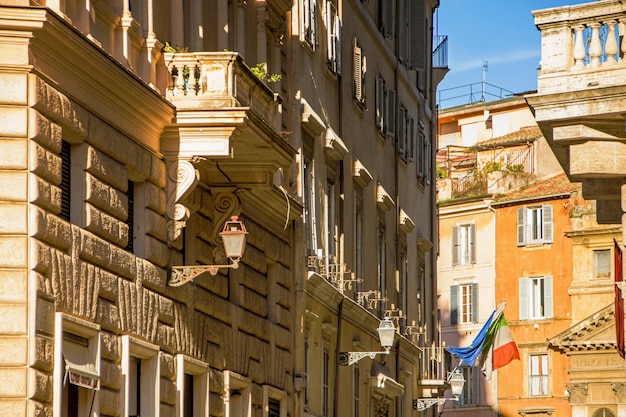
(241, 321)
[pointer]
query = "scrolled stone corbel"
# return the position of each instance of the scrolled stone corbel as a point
(182, 177)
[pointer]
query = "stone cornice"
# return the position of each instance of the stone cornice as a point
(577, 337)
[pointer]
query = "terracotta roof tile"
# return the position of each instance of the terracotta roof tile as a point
(553, 186)
(525, 134)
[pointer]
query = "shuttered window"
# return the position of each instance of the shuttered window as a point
(130, 194)
(534, 225)
(359, 70)
(333, 27)
(417, 44)
(536, 298)
(464, 244)
(66, 185)
(464, 303)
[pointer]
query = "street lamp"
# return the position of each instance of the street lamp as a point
(455, 380)
(386, 333)
(234, 239)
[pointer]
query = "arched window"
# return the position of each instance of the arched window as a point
(604, 412)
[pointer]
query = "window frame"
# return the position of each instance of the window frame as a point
(463, 310)
(309, 23)
(199, 371)
(359, 72)
(543, 387)
(604, 274)
(464, 244)
(62, 385)
(538, 298)
(333, 40)
(147, 356)
(528, 228)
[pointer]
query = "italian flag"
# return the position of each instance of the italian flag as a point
(499, 348)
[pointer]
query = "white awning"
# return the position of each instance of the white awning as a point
(80, 368)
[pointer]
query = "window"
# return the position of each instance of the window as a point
(421, 158)
(325, 383)
(274, 401)
(309, 23)
(382, 263)
(357, 394)
(76, 366)
(130, 195)
(385, 108)
(307, 358)
(385, 17)
(602, 263)
(192, 381)
(535, 298)
(360, 68)
(140, 372)
(534, 225)
(418, 44)
(358, 242)
(404, 32)
(402, 129)
(463, 244)
(470, 394)
(332, 231)
(309, 196)
(604, 412)
(66, 186)
(463, 303)
(333, 25)
(538, 375)
(238, 397)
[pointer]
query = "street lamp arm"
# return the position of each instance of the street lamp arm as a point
(350, 358)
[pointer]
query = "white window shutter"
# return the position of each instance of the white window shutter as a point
(523, 298)
(472, 242)
(391, 112)
(548, 229)
(548, 302)
(358, 72)
(521, 226)
(455, 245)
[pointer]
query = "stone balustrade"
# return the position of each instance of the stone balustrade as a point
(219, 80)
(582, 46)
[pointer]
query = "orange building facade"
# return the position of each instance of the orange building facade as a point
(534, 272)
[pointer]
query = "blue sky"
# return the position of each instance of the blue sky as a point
(501, 32)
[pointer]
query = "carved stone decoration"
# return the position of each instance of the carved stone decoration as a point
(382, 407)
(182, 177)
(278, 34)
(577, 393)
(225, 205)
(619, 388)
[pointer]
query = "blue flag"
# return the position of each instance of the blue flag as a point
(470, 353)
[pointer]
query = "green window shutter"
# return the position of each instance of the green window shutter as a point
(548, 229)
(548, 301)
(521, 226)
(523, 298)
(454, 304)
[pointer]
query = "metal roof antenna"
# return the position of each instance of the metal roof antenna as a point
(485, 64)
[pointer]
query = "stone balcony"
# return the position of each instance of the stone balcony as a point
(580, 104)
(227, 130)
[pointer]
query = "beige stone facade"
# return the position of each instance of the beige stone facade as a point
(131, 132)
(579, 107)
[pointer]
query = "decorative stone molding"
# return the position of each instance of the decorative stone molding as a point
(383, 200)
(577, 392)
(619, 388)
(182, 177)
(225, 205)
(406, 224)
(334, 147)
(382, 407)
(361, 174)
